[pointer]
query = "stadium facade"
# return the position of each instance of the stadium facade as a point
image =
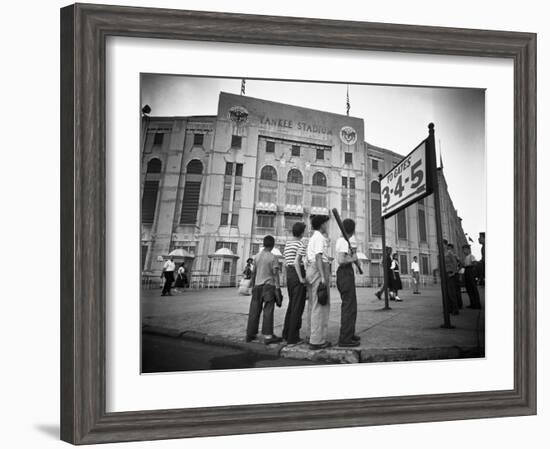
(213, 186)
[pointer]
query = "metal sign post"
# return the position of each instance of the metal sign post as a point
(439, 229)
(384, 260)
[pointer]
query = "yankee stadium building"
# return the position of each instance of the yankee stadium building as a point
(213, 186)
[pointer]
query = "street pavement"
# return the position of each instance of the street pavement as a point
(411, 330)
(166, 354)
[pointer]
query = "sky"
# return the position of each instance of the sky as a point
(395, 117)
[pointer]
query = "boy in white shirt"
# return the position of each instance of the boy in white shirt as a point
(318, 274)
(345, 281)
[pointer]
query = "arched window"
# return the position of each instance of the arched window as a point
(268, 173)
(375, 187)
(294, 187)
(268, 185)
(319, 179)
(194, 167)
(191, 192)
(295, 177)
(150, 191)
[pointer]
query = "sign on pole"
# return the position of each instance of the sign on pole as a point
(407, 182)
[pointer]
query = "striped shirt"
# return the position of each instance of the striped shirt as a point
(292, 248)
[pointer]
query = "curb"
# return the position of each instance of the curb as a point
(334, 354)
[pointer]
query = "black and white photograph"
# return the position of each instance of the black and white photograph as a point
(295, 223)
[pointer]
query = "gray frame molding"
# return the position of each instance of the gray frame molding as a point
(83, 32)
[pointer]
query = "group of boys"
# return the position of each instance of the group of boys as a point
(308, 275)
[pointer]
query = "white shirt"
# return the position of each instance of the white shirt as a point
(169, 266)
(469, 260)
(343, 247)
(415, 267)
(317, 244)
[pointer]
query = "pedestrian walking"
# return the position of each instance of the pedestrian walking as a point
(294, 255)
(181, 277)
(345, 282)
(318, 277)
(395, 281)
(266, 292)
(415, 270)
(387, 272)
(168, 274)
(469, 278)
(481, 240)
(451, 271)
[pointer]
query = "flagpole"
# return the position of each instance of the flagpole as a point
(439, 228)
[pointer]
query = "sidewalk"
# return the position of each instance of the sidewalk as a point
(410, 331)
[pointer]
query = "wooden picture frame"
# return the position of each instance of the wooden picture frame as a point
(84, 29)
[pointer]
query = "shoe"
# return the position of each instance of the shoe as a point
(272, 340)
(249, 339)
(324, 345)
(163, 294)
(297, 342)
(379, 295)
(398, 299)
(356, 338)
(351, 344)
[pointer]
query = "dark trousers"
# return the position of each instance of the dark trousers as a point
(168, 281)
(263, 300)
(452, 300)
(345, 281)
(471, 288)
(296, 304)
(458, 292)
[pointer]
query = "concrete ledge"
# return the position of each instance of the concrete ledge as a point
(163, 331)
(330, 355)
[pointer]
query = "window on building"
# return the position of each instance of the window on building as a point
(236, 141)
(344, 182)
(402, 225)
(290, 220)
(254, 249)
(224, 219)
(318, 200)
(226, 192)
(422, 225)
(226, 267)
(270, 146)
(234, 219)
(229, 168)
(348, 158)
(191, 192)
(376, 221)
(320, 154)
(294, 197)
(424, 264)
(352, 183)
(375, 188)
(295, 177)
(158, 139)
(239, 170)
(198, 139)
(229, 245)
(295, 150)
(266, 221)
(375, 165)
(403, 265)
(375, 254)
(268, 173)
(319, 179)
(150, 191)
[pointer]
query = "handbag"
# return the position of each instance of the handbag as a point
(322, 294)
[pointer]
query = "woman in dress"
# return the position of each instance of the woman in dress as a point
(395, 281)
